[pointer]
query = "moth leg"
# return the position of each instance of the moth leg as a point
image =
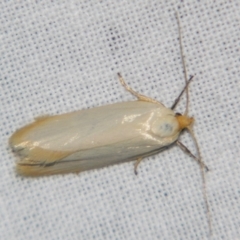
(187, 151)
(136, 165)
(136, 94)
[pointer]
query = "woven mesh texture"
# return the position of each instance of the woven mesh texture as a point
(62, 56)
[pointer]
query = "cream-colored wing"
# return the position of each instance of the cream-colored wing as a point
(95, 137)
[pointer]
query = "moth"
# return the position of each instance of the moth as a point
(97, 137)
(102, 136)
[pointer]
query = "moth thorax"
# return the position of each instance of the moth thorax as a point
(166, 126)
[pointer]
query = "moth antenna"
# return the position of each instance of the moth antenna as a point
(203, 175)
(180, 95)
(202, 165)
(183, 61)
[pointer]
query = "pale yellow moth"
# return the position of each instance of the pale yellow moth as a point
(102, 136)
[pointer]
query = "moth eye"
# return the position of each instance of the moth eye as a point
(178, 114)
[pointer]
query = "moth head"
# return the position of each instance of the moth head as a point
(184, 121)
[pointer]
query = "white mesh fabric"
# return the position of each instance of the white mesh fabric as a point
(61, 56)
